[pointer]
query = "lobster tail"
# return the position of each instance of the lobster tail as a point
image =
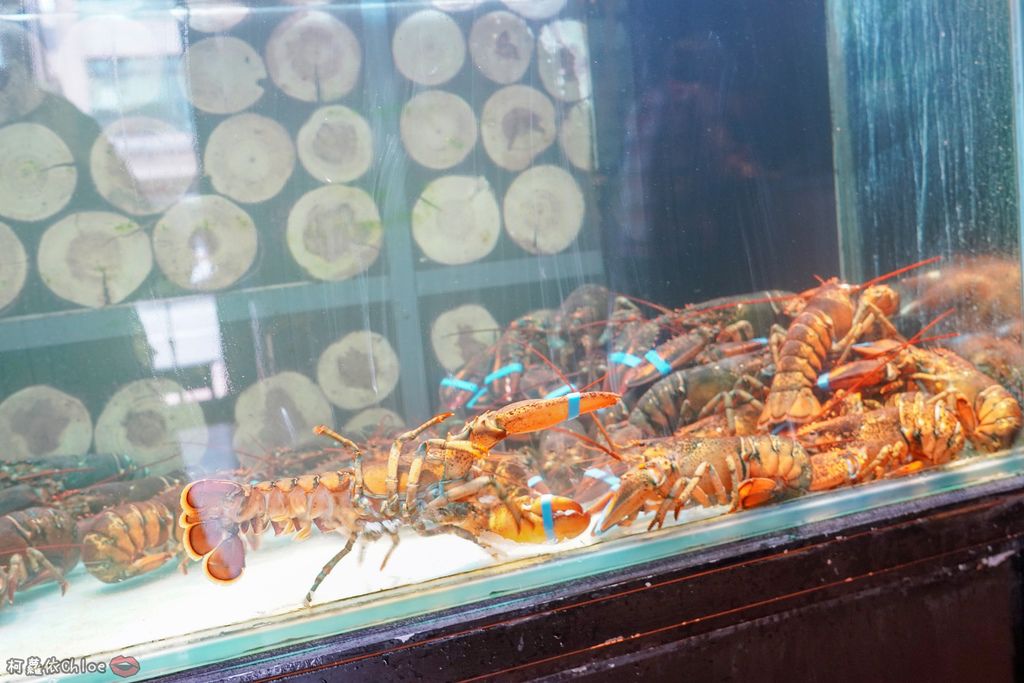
(208, 534)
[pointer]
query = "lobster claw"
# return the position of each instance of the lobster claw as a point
(855, 374)
(635, 489)
(534, 415)
(547, 518)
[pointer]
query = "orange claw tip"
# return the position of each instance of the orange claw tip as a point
(626, 502)
(206, 493)
(226, 563)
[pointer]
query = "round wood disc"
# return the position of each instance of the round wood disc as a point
(335, 232)
(358, 371)
(536, 9)
(205, 243)
(428, 47)
(455, 5)
(517, 124)
(40, 421)
(456, 219)
(576, 136)
(314, 57)
(223, 74)
(94, 258)
(373, 422)
(335, 145)
(249, 158)
(563, 60)
(279, 412)
(438, 129)
(463, 333)
(13, 266)
(142, 165)
(154, 422)
(214, 16)
(501, 45)
(544, 210)
(37, 172)
(20, 93)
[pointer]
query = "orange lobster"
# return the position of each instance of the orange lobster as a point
(441, 484)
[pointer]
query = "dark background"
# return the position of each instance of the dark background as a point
(715, 146)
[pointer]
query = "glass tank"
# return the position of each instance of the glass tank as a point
(320, 315)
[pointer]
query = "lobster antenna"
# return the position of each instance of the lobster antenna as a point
(899, 271)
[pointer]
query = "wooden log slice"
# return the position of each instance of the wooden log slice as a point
(576, 136)
(214, 16)
(205, 243)
(94, 258)
(544, 210)
(155, 422)
(37, 172)
(13, 266)
(249, 158)
(358, 371)
(517, 124)
(279, 412)
(455, 5)
(428, 47)
(456, 219)
(563, 60)
(20, 93)
(335, 145)
(39, 421)
(501, 45)
(374, 422)
(536, 9)
(222, 75)
(143, 165)
(314, 57)
(463, 333)
(438, 129)
(335, 232)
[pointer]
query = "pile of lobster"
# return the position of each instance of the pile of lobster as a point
(735, 402)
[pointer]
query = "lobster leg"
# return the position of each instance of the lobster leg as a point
(394, 458)
(866, 315)
(328, 568)
(456, 530)
(677, 493)
(472, 487)
(49, 570)
(394, 545)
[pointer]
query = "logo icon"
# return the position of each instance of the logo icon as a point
(124, 666)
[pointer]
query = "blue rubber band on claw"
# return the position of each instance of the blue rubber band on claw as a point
(502, 372)
(476, 397)
(534, 480)
(607, 477)
(560, 391)
(547, 514)
(622, 358)
(658, 362)
(823, 381)
(456, 383)
(574, 405)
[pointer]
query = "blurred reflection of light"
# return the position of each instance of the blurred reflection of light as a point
(203, 268)
(186, 333)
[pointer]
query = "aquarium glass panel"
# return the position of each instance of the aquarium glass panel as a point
(319, 315)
